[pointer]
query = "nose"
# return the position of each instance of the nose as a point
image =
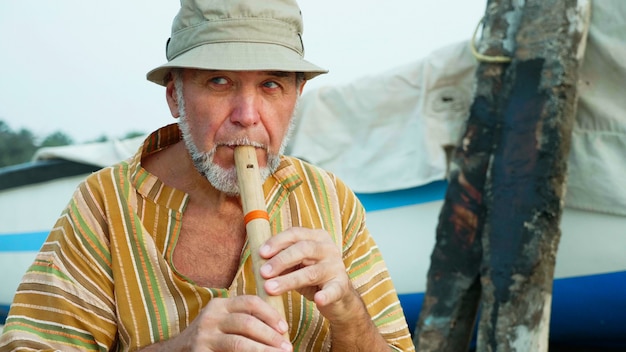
(246, 108)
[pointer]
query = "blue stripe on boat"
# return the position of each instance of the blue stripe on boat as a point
(599, 319)
(22, 242)
(32, 241)
(386, 200)
(4, 311)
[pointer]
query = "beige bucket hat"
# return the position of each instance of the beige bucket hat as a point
(236, 35)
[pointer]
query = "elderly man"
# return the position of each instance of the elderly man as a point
(152, 253)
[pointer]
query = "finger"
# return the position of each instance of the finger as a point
(332, 292)
(254, 329)
(290, 236)
(337, 301)
(300, 253)
(312, 276)
(293, 249)
(256, 307)
(240, 343)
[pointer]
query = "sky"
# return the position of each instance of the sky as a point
(79, 66)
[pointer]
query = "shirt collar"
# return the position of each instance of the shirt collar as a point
(283, 181)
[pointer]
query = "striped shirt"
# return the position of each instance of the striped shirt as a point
(104, 278)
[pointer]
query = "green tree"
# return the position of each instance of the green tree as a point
(15, 147)
(56, 139)
(105, 138)
(133, 134)
(102, 138)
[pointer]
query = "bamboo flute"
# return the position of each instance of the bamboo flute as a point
(255, 217)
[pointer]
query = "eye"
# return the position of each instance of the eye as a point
(219, 81)
(271, 85)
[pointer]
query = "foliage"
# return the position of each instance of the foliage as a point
(128, 135)
(56, 139)
(100, 139)
(133, 134)
(18, 147)
(15, 147)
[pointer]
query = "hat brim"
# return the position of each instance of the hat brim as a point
(234, 56)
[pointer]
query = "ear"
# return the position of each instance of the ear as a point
(301, 86)
(172, 99)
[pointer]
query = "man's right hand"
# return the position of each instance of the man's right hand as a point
(242, 323)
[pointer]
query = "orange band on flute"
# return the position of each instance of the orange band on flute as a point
(255, 214)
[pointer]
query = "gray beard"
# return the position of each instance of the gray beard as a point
(223, 179)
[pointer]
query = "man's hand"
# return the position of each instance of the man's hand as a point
(309, 262)
(243, 323)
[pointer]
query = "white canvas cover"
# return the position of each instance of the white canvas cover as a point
(386, 131)
(97, 153)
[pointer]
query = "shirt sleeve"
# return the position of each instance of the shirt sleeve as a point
(65, 300)
(367, 270)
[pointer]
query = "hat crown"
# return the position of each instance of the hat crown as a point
(236, 35)
(201, 22)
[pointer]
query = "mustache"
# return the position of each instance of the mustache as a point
(242, 141)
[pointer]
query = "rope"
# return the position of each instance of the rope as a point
(486, 58)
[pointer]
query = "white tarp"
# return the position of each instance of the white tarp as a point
(386, 131)
(99, 153)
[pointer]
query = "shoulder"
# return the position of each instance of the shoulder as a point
(324, 183)
(307, 170)
(112, 173)
(105, 183)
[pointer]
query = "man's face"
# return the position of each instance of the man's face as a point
(222, 109)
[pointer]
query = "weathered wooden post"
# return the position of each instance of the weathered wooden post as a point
(453, 289)
(500, 220)
(526, 186)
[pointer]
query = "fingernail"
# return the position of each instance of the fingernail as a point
(271, 285)
(266, 269)
(282, 325)
(286, 346)
(265, 249)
